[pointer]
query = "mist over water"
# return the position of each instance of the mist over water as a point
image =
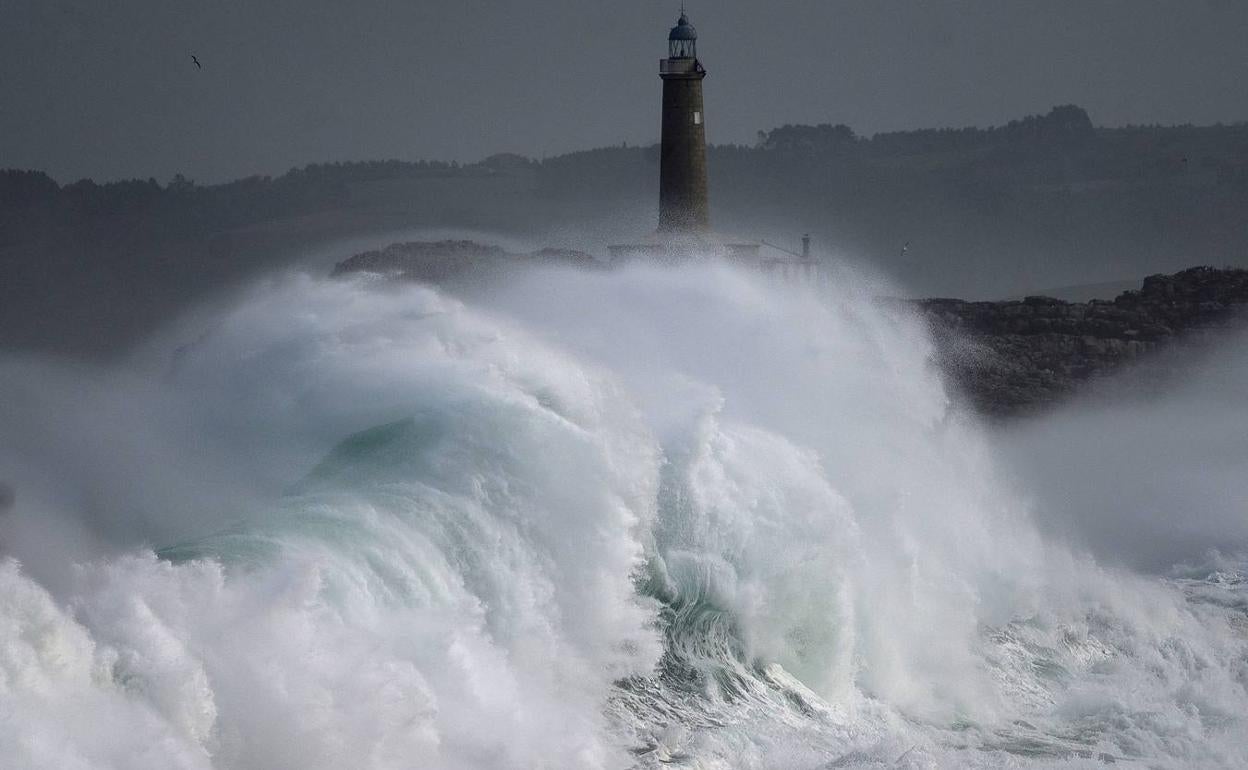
(1147, 474)
(652, 516)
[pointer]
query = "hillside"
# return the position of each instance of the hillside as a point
(1050, 200)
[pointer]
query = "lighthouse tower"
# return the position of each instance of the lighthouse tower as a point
(683, 207)
(684, 231)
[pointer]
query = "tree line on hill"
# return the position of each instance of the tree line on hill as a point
(1038, 202)
(798, 166)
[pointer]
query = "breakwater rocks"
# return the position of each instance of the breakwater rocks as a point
(1016, 357)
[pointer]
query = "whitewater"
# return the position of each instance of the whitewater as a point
(650, 517)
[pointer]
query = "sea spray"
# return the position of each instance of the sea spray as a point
(651, 516)
(454, 586)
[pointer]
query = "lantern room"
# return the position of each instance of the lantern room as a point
(682, 43)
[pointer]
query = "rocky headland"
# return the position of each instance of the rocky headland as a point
(1016, 357)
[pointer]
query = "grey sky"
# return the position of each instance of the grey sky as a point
(108, 89)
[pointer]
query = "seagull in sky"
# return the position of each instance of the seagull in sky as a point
(195, 59)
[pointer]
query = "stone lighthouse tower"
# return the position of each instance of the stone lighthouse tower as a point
(684, 214)
(683, 206)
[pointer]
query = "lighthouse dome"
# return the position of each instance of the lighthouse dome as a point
(682, 43)
(683, 30)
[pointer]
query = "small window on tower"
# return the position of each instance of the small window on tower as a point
(697, 118)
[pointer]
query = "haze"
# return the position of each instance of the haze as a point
(109, 90)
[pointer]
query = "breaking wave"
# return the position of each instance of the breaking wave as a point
(599, 520)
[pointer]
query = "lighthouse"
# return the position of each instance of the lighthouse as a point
(684, 231)
(683, 205)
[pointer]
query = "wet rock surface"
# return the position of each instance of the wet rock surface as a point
(1017, 357)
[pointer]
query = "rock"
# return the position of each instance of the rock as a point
(1007, 358)
(439, 261)
(1014, 357)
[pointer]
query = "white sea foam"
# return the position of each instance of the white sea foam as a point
(585, 519)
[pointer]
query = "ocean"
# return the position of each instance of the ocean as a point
(654, 517)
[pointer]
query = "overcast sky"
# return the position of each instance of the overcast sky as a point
(108, 89)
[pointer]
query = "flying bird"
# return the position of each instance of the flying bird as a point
(904, 248)
(195, 59)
